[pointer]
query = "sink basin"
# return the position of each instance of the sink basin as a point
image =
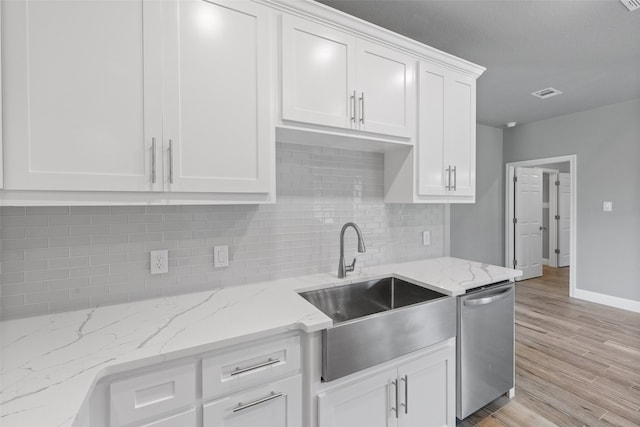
(348, 302)
(378, 320)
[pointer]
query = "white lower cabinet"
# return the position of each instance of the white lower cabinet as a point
(417, 392)
(369, 402)
(138, 399)
(187, 419)
(277, 404)
(428, 389)
(255, 384)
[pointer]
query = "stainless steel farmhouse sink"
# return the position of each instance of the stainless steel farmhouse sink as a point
(378, 320)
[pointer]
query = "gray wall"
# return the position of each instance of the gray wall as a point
(477, 230)
(606, 141)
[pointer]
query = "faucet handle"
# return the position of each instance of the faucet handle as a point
(350, 268)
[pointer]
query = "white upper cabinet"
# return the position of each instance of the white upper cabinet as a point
(441, 168)
(217, 127)
(80, 81)
(139, 96)
(386, 102)
(447, 134)
(330, 78)
(318, 66)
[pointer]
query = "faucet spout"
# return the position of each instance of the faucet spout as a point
(342, 268)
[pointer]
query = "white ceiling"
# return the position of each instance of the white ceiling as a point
(588, 49)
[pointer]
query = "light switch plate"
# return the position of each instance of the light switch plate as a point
(159, 261)
(220, 256)
(607, 206)
(426, 238)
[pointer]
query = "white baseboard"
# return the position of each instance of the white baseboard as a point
(617, 302)
(545, 261)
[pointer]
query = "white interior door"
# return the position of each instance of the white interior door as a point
(564, 223)
(528, 224)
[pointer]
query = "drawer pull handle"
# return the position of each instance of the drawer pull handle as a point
(258, 366)
(242, 407)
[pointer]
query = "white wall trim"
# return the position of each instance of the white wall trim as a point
(573, 168)
(611, 301)
(545, 261)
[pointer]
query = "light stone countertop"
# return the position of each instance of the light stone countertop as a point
(50, 364)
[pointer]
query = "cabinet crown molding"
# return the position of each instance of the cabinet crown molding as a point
(325, 15)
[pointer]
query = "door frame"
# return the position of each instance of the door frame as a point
(552, 212)
(509, 211)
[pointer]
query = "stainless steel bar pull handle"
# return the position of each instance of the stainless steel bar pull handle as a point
(170, 162)
(353, 107)
(455, 178)
(395, 408)
(448, 171)
(362, 108)
(258, 366)
(489, 299)
(406, 393)
(153, 160)
(242, 407)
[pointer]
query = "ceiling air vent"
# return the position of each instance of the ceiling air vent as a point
(546, 93)
(631, 4)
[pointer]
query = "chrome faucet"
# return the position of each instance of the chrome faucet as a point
(344, 269)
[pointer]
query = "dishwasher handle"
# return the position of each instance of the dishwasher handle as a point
(488, 300)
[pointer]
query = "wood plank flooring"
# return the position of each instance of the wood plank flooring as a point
(577, 363)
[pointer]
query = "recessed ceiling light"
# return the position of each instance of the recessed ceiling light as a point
(631, 4)
(511, 124)
(546, 93)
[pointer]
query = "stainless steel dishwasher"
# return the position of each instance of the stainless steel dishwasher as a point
(485, 346)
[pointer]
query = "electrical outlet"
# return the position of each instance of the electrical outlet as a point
(607, 206)
(426, 238)
(220, 256)
(159, 261)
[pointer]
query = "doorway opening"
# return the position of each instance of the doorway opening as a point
(541, 200)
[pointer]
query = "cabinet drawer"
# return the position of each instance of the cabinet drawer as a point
(152, 394)
(248, 366)
(277, 404)
(187, 419)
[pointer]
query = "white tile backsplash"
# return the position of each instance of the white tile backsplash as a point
(62, 258)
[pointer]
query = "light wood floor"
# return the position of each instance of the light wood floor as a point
(577, 363)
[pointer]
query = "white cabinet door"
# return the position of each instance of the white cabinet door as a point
(188, 419)
(318, 72)
(427, 390)
(218, 134)
(278, 404)
(446, 150)
(370, 402)
(151, 395)
(431, 133)
(385, 90)
(460, 134)
(81, 95)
